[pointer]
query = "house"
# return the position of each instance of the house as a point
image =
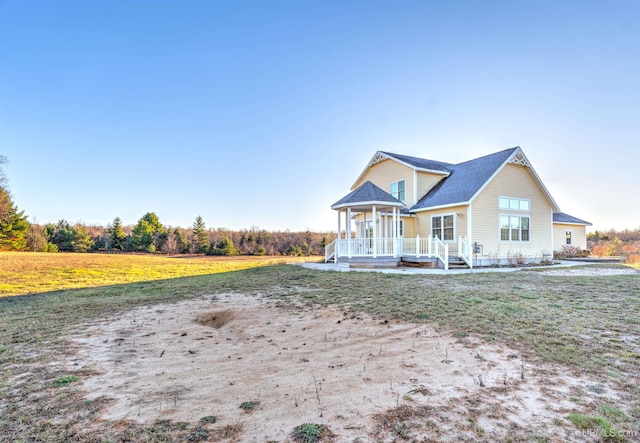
(492, 210)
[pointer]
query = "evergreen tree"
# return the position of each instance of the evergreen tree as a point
(13, 223)
(81, 240)
(200, 241)
(146, 232)
(61, 235)
(225, 247)
(117, 237)
(181, 240)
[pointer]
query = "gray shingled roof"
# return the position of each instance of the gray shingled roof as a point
(421, 163)
(465, 180)
(561, 217)
(367, 193)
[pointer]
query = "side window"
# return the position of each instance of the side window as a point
(442, 226)
(567, 236)
(398, 190)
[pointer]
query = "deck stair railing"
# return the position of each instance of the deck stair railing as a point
(465, 251)
(330, 252)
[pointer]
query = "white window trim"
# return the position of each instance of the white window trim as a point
(570, 237)
(455, 228)
(405, 189)
(528, 200)
(521, 215)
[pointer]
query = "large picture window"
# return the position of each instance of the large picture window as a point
(514, 228)
(398, 190)
(442, 227)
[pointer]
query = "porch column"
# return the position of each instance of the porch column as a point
(338, 239)
(386, 224)
(375, 233)
(348, 232)
(394, 232)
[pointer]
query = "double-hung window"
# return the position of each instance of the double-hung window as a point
(442, 227)
(514, 228)
(398, 190)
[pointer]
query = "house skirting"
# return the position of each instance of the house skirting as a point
(370, 263)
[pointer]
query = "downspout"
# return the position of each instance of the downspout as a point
(470, 233)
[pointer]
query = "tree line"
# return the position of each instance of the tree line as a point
(151, 236)
(625, 243)
(147, 235)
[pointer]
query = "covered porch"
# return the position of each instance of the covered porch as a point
(379, 235)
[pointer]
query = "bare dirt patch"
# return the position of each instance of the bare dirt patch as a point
(365, 379)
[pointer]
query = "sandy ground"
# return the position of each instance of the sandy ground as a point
(205, 357)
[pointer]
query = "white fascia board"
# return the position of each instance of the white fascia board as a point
(433, 208)
(368, 203)
(572, 223)
(431, 171)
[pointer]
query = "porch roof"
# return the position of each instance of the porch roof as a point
(367, 195)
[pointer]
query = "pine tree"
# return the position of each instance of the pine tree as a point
(146, 232)
(13, 223)
(200, 240)
(81, 241)
(116, 235)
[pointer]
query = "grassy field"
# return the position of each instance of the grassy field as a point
(31, 273)
(589, 324)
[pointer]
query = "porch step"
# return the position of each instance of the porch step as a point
(457, 263)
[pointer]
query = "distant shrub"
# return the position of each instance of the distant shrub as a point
(295, 250)
(633, 259)
(599, 250)
(260, 251)
(224, 247)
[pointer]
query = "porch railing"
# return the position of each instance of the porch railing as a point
(330, 251)
(428, 247)
(465, 251)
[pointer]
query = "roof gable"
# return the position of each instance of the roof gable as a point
(414, 163)
(367, 194)
(469, 178)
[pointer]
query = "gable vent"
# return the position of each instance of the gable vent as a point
(519, 159)
(377, 159)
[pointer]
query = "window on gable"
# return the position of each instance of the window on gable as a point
(442, 227)
(398, 190)
(514, 204)
(514, 228)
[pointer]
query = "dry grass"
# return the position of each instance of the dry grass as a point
(31, 273)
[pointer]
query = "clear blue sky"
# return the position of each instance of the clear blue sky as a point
(264, 113)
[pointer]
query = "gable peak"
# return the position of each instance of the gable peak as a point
(377, 158)
(518, 158)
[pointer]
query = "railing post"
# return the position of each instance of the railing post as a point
(446, 257)
(417, 246)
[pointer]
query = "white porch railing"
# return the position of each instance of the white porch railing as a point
(330, 251)
(465, 251)
(429, 247)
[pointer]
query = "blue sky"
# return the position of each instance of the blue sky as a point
(263, 113)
